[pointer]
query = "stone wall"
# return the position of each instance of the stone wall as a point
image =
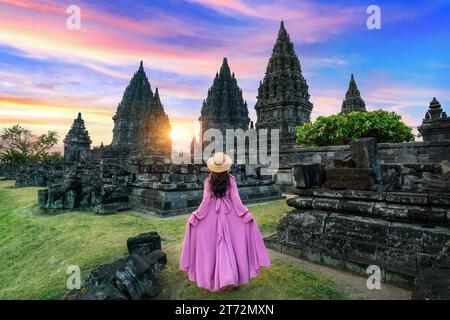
(166, 189)
(39, 175)
(352, 212)
(411, 153)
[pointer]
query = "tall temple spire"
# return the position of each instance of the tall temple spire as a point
(353, 100)
(140, 120)
(77, 142)
(155, 128)
(136, 99)
(224, 107)
(283, 97)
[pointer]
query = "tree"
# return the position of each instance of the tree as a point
(343, 128)
(19, 146)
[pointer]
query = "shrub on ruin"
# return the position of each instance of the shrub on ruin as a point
(341, 129)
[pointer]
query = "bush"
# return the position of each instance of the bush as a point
(343, 128)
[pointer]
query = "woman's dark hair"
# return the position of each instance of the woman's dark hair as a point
(219, 183)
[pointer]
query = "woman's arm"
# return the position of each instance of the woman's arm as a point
(202, 210)
(239, 207)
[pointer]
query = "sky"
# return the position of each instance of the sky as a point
(49, 73)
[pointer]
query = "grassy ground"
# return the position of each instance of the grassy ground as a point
(36, 249)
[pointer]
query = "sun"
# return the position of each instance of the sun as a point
(179, 134)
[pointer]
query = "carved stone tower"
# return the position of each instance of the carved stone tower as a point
(283, 98)
(224, 108)
(353, 100)
(136, 100)
(140, 123)
(436, 125)
(154, 129)
(77, 143)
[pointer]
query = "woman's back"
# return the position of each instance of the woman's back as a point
(223, 245)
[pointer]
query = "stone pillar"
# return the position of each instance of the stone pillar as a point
(365, 155)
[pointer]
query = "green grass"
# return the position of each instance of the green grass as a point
(36, 249)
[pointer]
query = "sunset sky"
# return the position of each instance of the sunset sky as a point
(48, 73)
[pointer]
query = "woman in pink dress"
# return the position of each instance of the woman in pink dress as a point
(223, 245)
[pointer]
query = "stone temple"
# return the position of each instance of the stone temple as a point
(140, 122)
(135, 171)
(356, 205)
(436, 125)
(353, 100)
(283, 98)
(224, 107)
(77, 143)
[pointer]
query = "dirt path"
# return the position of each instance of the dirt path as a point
(352, 283)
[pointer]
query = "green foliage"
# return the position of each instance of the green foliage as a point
(19, 146)
(341, 129)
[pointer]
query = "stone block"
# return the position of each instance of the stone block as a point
(417, 238)
(190, 178)
(365, 155)
(362, 229)
(326, 204)
(144, 244)
(445, 168)
(346, 178)
(42, 198)
(443, 258)
(410, 183)
(432, 284)
(300, 202)
(440, 199)
(357, 207)
(308, 175)
(365, 195)
(407, 198)
(338, 247)
(343, 159)
(400, 260)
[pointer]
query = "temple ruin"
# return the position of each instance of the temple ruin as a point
(367, 203)
(283, 97)
(353, 100)
(135, 171)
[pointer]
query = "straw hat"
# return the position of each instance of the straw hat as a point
(220, 162)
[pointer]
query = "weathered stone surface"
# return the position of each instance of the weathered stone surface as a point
(144, 243)
(407, 198)
(358, 228)
(346, 178)
(432, 284)
(343, 159)
(443, 259)
(300, 202)
(445, 167)
(308, 175)
(132, 278)
(434, 183)
(365, 155)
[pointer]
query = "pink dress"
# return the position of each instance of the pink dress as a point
(223, 245)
